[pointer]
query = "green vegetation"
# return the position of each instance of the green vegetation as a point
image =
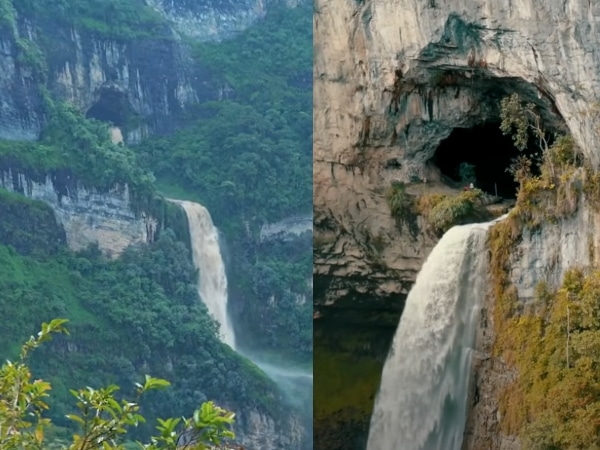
(114, 19)
(32, 228)
(249, 156)
(74, 145)
(31, 56)
(103, 420)
(147, 298)
(460, 209)
(402, 206)
(7, 14)
(551, 345)
(555, 192)
(442, 212)
(555, 347)
(248, 159)
(399, 201)
(281, 273)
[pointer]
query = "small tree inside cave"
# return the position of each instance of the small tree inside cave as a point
(466, 172)
(524, 123)
(478, 155)
(496, 155)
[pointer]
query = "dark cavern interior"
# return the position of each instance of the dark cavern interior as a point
(489, 153)
(112, 107)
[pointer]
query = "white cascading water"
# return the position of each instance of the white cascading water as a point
(206, 253)
(422, 400)
(212, 287)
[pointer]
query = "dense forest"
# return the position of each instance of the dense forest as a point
(257, 174)
(147, 297)
(246, 157)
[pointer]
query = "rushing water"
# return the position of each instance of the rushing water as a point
(422, 401)
(212, 285)
(296, 385)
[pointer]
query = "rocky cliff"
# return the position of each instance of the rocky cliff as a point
(389, 87)
(87, 215)
(138, 75)
(393, 79)
(140, 85)
(265, 432)
(212, 20)
(287, 229)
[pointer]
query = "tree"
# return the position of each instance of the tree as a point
(466, 172)
(519, 119)
(103, 420)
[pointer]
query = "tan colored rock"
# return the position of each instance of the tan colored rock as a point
(87, 215)
(392, 79)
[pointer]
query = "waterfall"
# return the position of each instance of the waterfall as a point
(422, 400)
(206, 252)
(294, 384)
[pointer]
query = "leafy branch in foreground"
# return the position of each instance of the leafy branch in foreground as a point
(103, 420)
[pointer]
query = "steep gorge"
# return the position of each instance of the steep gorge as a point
(69, 74)
(392, 82)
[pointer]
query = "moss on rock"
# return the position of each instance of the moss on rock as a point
(29, 226)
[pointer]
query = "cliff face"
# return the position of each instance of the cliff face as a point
(390, 86)
(211, 20)
(265, 433)
(544, 255)
(214, 19)
(141, 79)
(140, 85)
(392, 80)
(287, 229)
(87, 216)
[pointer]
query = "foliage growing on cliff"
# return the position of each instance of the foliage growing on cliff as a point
(400, 202)
(103, 420)
(550, 183)
(78, 149)
(519, 120)
(146, 298)
(281, 272)
(113, 19)
(403, 208)
(551, 403)
(29, 226)
(556, 191)
(248, 159)
(249, 156)
(7, 14)
(555, 347)
(448, 211)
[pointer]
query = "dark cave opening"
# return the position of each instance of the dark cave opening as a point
(488, 151)
(112, 107)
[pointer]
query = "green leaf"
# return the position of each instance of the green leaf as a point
(75, 418)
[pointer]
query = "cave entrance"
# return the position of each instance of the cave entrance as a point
(481, 155)
(112, 107)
